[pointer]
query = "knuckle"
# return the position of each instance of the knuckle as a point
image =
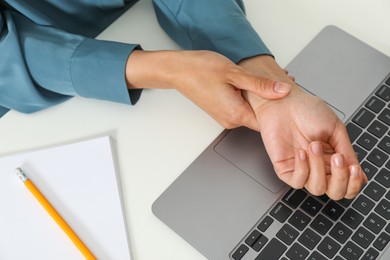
(262, 84)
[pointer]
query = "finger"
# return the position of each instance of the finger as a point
(264, 87)
(341, 143)
(301, 171)
(316, 182)
(356, 180)
(338, 181)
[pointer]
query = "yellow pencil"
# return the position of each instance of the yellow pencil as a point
(54, 214)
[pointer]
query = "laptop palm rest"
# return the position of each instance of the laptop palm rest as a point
(214, 196)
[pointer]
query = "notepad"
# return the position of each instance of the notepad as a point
(81, 182)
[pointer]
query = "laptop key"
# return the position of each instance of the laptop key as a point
(374, 223)
(351, 251)
(281, 212)
(297, 252)
(329, 247)
(363, 237)
(287, 234)
(363, 118)
(383, 209)
(252, 238)
(377, 128)
(311, 206)
(352, 218)
(265, 223)
(382, 241)
(388, 228)
(353, 131)
(272, 251)
(384, 116)
(299, 220)
(374, 191)
(363, 204)
(371, 254)
(321, 224)
(385, 144)
(340, 232)
(377, 157)
(384, 92)
(259, 244)
(375, 104)
(367, 141)
(383, 177)
(369, 169)
(309, 239)
(333, 210)
(388, 81)
(294, 197)
(240, 252)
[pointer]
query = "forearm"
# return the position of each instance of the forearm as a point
(210, 25)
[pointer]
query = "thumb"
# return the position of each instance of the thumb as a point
(261, 86)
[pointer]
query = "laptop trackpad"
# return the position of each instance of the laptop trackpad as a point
(244, 149)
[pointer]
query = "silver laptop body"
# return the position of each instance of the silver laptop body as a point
(226, 203)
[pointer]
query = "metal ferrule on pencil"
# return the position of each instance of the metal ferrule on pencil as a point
(21, 174)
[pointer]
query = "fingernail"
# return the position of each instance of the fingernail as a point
(316, 148)
(338, 160)
(281, 87)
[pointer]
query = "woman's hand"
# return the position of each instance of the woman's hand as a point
(208, 79)
(305, 140)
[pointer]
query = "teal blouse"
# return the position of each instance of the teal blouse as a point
(48, 52)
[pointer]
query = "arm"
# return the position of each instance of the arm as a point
(208, 79)
(215, 25)
(306, 150)
(43, 66)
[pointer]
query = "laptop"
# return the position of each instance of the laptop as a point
(229, 203)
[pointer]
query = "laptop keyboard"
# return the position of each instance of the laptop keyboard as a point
(301, 226)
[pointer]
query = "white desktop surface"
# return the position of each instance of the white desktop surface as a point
(160, 136)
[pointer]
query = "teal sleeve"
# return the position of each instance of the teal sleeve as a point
(216, 25)
(43, 65)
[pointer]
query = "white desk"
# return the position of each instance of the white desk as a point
(160, 136)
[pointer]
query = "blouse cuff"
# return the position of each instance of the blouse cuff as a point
(98, 71)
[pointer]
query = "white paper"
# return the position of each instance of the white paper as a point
(80, 181)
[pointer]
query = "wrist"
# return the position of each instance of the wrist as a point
(266, 66)
(149, 69)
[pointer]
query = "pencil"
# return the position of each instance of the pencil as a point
(54, 214)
